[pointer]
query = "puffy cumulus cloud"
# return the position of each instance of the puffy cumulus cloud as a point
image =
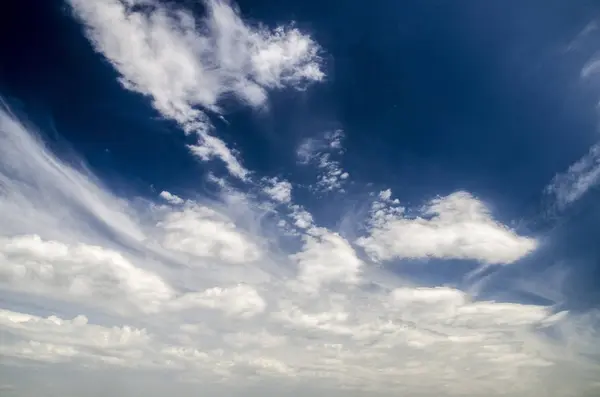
(301, 218)
(54, 339)
(409, 342)
(40, 267)
(280, 191)
(104, 278)
(326, 258)
(457, 226)
(202, 232)
(63, 236)
(183, 62)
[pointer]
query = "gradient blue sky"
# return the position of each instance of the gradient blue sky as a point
(382, 198)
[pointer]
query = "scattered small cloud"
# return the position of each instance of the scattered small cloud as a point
(278, 190)
(171, 198)
(321, 153)
(568, 187)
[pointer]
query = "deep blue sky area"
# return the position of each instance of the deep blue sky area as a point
(441, 96)
(433, 96)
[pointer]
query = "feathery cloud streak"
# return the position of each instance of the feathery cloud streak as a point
(187, 66)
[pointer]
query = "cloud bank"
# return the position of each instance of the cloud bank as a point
(199, 296)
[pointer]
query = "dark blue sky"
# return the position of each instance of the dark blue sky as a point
(439, 96)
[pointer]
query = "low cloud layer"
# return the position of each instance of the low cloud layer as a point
(198, 295)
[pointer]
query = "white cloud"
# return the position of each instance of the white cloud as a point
(183, 63)
(326, 258)
(280, 191)
(571, 185)
(332, 176)
(210, 299)
(203, 232)
(334, 140)
(592, 67)
(320, 152)
(209, 147)
(302, 218)
(30, 264)
(307, 150)
(171, 198)
(54, 340)
(41, 195)
(457, 226)
(583, 175)
(416, 335)
(580, 39)
(385, 195)
(241, 300)
(262, 339)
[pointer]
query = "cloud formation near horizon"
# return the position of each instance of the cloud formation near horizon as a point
(196, 291)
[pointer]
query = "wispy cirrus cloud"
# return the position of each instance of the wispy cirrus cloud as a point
(571, 185)
(189, 65)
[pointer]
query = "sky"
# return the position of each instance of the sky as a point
(392, 198)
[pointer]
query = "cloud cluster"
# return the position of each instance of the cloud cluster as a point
(457, 226)
(53, 340)
(188, 66)
(200, 231)
(205, 295)
(322, 153)
(80, 272)
(278, 190)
